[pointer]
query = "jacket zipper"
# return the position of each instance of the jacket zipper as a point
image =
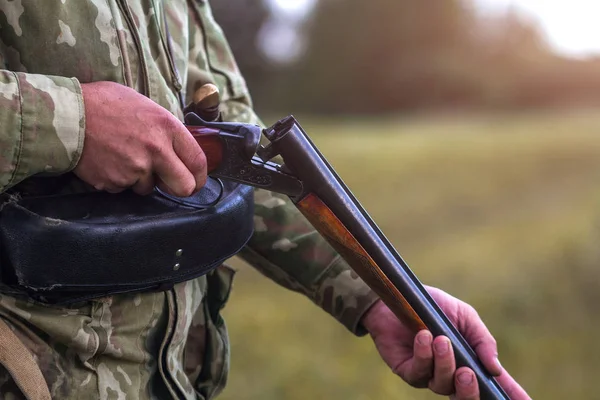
(126, 11)
(166, 40)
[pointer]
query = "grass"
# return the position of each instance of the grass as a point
(503, 212)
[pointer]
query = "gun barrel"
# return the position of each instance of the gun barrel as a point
(358, 239)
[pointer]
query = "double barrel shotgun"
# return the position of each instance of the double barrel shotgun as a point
(234, 152)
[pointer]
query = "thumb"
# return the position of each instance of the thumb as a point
(480, 338)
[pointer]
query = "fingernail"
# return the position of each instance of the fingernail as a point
(498, 364)
(442, 347)
(424, 339)
(465, 378)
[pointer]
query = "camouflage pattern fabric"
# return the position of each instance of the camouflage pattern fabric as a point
(162, 345)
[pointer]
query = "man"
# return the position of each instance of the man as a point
(89, 92)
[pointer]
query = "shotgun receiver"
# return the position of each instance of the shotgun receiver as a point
(234, 153)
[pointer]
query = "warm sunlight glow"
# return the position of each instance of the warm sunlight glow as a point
(293, 7)
(572, 26)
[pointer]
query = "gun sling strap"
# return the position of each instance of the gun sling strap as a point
(19, 362)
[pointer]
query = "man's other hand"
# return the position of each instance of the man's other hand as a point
(132, 142)
(426, 362)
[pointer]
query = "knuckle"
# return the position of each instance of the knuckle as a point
(121, 182)
(442, 390)
(155, 146)
(397, 371)
(467, 316)
(419, 379)
(162, 133)
(140, 165)
(444, 368)
(169, 124)
(115, 190)
(423, 361)
(419, 383)
(201, 181)
(466, 385)
(199, 168)
(471, 311)
(199, 161)
(188, 188)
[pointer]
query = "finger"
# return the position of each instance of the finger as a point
(482, 341)
(191, 155)
(512, 388)
(444, 367)
(466, 385)
(420, 369)
(173, 176)
(109, 187)
(114, 189)
(144, 185)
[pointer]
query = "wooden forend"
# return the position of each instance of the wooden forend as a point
(329, 225)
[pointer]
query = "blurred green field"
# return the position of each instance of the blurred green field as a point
(502, 211)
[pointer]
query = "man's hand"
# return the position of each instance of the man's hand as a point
(132, 142)
(427, 362)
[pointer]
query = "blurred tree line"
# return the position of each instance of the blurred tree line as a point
(387, 56)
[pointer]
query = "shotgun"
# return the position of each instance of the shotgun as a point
(234, 152)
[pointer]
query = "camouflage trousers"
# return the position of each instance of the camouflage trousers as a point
(160, 345)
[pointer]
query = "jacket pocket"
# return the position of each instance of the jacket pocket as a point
(208, 351)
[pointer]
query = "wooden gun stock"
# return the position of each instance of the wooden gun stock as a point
(211, 144)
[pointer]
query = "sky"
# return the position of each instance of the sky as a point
(571, 26)
(280, 38)
(294, 8)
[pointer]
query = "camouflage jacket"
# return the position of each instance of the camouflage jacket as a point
(170, 344)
